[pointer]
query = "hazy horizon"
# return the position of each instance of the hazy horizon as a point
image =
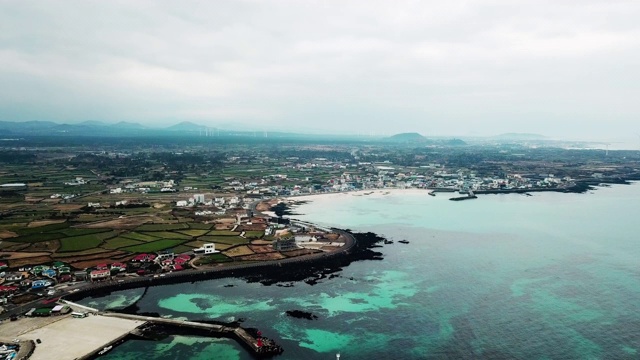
(461, 68)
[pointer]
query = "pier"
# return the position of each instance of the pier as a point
(258, 345)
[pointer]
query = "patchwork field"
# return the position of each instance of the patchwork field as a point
(83, 244)
(238, 251)
(223, 233)
(154, 246)
(140, 236)
(120, 242)
(253, 234)
(162, 227)
(192, 232)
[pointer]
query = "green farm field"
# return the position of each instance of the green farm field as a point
(153, 246)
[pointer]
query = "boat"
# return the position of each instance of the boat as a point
(105, 350)
(404, 241)
(388, 241)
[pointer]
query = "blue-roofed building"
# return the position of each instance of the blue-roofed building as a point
(40, 284)
(50, 273)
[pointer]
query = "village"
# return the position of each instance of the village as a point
(142, 246)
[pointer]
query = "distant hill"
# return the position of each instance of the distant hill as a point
(455, 142)
(519, 136)
(128, 125)
(92, 123)
(406, 138)
(186, 126)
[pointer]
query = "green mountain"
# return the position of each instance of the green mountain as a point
(406, 138)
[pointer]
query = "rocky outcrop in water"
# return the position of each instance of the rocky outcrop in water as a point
(299, 314)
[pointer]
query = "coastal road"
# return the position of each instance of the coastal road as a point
(183, 276)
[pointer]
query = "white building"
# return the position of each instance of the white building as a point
(209, 248)
(199, 198)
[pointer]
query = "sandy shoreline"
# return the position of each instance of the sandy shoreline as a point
(373, 193)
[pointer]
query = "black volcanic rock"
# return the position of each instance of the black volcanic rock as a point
(299, 314)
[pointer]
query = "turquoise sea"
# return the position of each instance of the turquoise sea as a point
(548, 276)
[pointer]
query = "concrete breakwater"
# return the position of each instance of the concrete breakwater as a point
(461, 198)
(259, 346)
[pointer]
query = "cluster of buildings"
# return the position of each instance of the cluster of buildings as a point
(216, 205)
(77, 181)
(144, 187)
(41, 279)
(141, 264)
(63, 196)
(37, 278)
(388, 177)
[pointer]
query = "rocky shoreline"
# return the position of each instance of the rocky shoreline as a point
(310, 269)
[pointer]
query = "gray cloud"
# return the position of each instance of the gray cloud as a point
(561, 68)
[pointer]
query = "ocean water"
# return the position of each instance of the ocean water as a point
(549, 276)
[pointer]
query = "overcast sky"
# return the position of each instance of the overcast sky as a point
(558, 68)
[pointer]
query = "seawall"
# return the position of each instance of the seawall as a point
(225, 271)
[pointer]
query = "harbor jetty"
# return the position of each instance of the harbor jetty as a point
(259, 345)
(470, 195)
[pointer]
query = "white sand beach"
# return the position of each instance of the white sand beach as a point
(374, 193)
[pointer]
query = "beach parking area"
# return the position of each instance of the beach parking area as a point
(71, 338)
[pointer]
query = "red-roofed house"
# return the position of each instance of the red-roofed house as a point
(8, 289)
(118, 266)
(139, 258)
(100, 274)
(144, 258)
(167, 262)
(180, 261)
(103, 266)
(177, 267)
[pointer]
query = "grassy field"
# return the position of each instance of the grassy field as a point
(231, 240)
(238, 251)
(41, 229)
(162, 227)
(223, 233)
(182, 249)
(84, 242)
(212, 259)
(221, 246)
(169, 235)
(254, 234)
(141, 237)
(193, 232)
(81, 253)
(120, 242)
(33, 238)
(153, 246)
(78, 232)
(200, 226)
